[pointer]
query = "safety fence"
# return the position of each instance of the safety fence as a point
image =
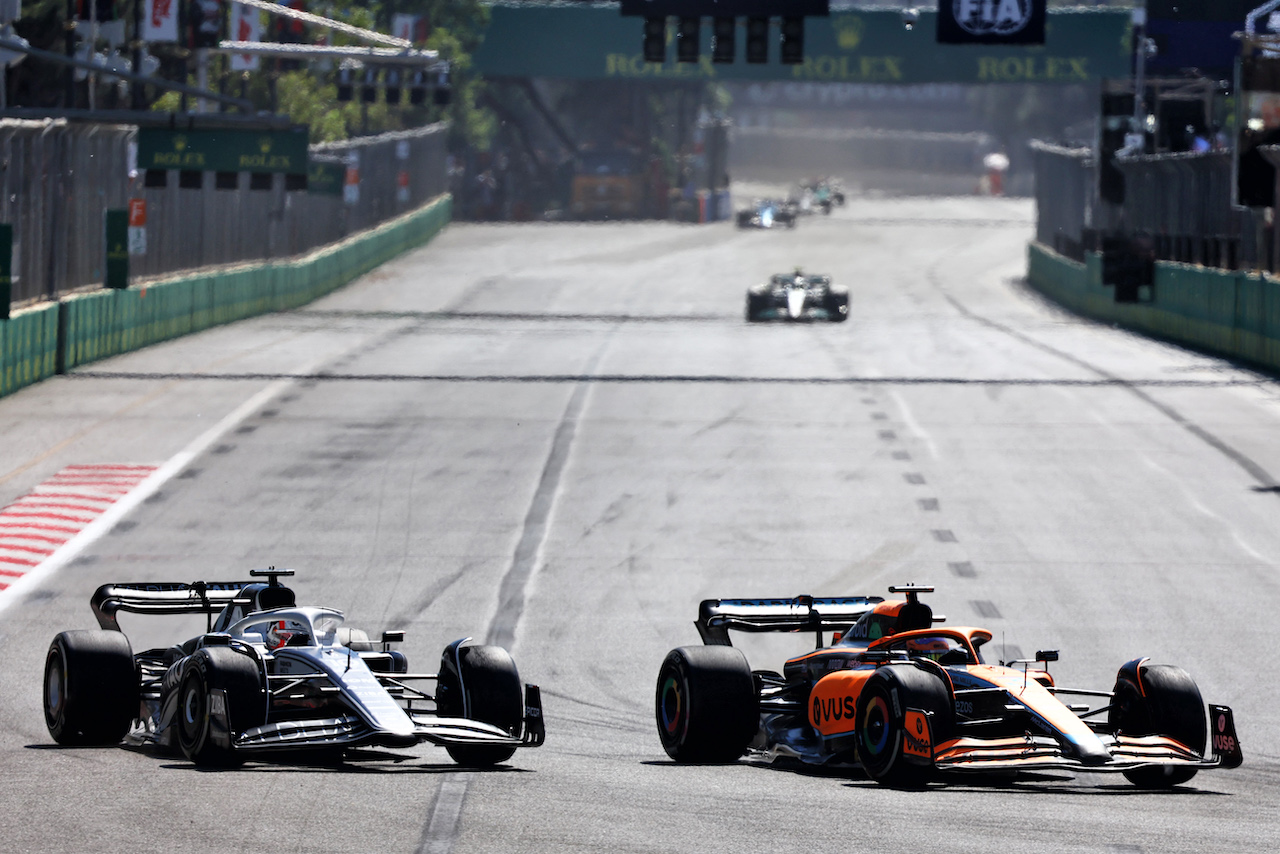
(37, 342)
(1173, 207)
(57, 179)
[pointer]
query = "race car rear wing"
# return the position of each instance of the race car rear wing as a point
(717, 617)
(200, 597)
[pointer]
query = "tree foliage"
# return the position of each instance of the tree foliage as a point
(308, 95)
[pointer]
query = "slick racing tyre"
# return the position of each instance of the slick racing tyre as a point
(1167, 703)
(881, 723)
(90, 687)
(238, 680)
(755, 306)
(707, 705)
(490, 692)
(837, 305)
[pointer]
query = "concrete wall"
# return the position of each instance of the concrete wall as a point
(1229, 313)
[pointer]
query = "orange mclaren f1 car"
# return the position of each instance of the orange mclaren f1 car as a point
(912, 702)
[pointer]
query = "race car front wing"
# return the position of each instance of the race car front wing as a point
(1032, 752)
(352, 730)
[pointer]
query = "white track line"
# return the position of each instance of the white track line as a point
(92, 532)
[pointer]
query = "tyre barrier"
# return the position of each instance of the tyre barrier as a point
(1228, 313)
(38, 342)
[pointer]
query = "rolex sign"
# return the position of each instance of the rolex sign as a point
(991, 21)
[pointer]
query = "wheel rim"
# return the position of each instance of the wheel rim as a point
(193, 712)
(876, 729)
(672, 708)
(54, 687)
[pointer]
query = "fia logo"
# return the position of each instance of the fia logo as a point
(992, 17)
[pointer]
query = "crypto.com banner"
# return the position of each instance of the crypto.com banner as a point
(991, 21)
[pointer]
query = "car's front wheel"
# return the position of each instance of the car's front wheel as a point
(838, 305)
(218, 682)
(487, 688)
(883, 726)
(1167, 703)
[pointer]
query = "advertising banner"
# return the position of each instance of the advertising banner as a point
(137, 226)
(160, 21)
(246, 26)
(223, 150)
(409, 27)
(853, 45)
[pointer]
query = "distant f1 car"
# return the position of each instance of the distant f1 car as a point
(823, 193)
(270, 676)
(766, 213)
(798, 296)
(911, 702)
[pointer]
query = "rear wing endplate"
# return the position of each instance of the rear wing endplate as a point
(200, 597)
(717, 617)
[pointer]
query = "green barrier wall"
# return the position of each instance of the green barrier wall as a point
(28, 347)
(106, 323)
(1228, 313)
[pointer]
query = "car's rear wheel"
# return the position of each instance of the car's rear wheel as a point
(490, 692)
(707, 706)
(881, 716)
(1167, 703)
(238, 681)
(90, 687)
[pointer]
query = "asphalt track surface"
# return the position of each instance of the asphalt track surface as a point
(563, 437)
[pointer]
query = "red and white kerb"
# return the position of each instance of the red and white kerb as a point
(38, 524)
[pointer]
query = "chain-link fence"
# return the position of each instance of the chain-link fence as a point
(57, 179)
(1064, 196)
(1177, 206)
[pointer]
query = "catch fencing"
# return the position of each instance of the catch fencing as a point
(1177, 206)
(57, 178)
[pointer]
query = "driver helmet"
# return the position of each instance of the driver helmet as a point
(929, 647)
(285, 633)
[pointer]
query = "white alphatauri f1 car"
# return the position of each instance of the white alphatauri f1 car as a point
(269, 676)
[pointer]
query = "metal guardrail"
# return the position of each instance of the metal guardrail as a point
(57, 178)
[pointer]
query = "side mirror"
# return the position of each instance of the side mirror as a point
(398, 636)
(1046, 655)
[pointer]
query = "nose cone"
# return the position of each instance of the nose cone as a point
(795, 302)
(1089, 749)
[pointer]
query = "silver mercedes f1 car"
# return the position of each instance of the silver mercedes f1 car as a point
(798, 296)
(269, 676)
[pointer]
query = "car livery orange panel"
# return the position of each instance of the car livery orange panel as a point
(834, 700)
(917, 738)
